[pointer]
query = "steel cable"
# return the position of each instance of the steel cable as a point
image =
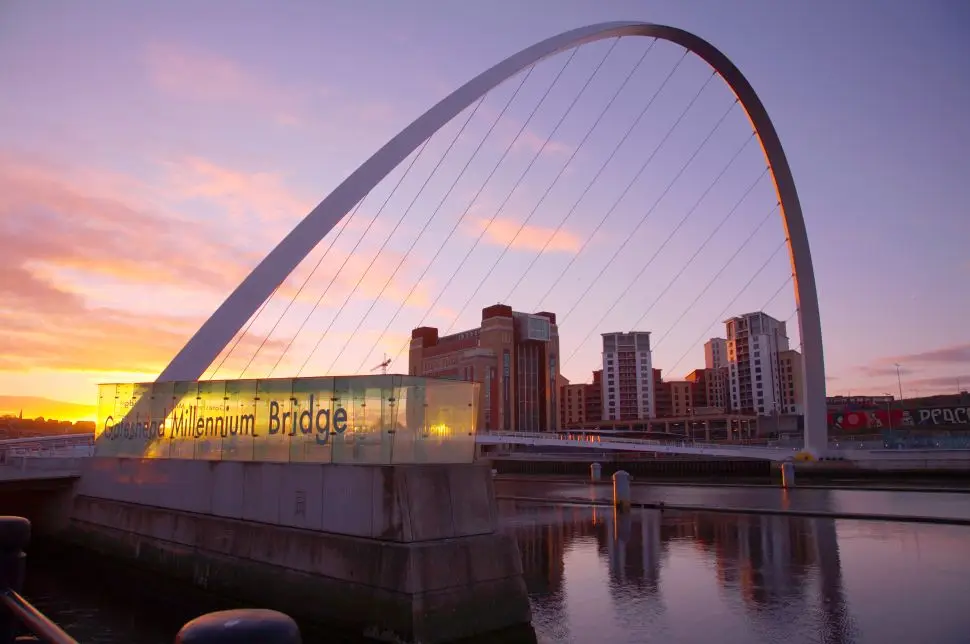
(522, 178)
(650, 211)
(718, 274)
(487, 179)
(628, 187)
(458, 221)
(720, 316)
(597, 174)
(700, 248)
(333, 278)
(424, 228)
(390, 235)
(666, 241)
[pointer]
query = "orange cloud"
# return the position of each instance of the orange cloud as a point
(501, 232)
(69, 236)
(46, 218)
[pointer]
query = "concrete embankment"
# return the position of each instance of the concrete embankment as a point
(918, 466)
(400, 553)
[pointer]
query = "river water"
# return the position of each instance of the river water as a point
(650, 576)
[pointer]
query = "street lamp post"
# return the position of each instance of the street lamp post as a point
(899, 381)
(889, 409)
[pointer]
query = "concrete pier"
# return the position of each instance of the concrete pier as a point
(397, 552)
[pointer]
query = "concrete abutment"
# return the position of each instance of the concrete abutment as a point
(399, 552)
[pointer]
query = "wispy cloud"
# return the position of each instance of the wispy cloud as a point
(534, 143)
(502, 232)
(193, 74)
(913, 363)
(956, 354)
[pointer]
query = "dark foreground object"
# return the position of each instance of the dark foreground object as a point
(253, 626)
(16, 614)
(241, 626)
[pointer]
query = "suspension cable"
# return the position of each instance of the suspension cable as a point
(718, 274)
(700, 248)
(720, 316)
(508, 149)
(336, 274)
(652, 208)
(403, 302)
(390, 235)
(345, 221)
(424, 228)
(525, 172)
(666, 241)
(602, 167)
(240, 336)
(628, 187)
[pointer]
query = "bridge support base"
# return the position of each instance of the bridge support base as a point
(401, 553)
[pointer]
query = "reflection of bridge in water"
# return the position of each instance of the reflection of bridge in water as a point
(767, 562)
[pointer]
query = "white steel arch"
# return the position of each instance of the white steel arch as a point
(216, 333)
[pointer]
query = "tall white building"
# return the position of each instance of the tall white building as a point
(754, 344)
(627, 377)
(715, 353)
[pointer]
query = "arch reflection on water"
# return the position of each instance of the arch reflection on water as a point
(781, 569)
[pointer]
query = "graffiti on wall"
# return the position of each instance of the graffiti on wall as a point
(857, 420)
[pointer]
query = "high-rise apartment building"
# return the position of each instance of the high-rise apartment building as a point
(514, 355)
(754, 344)
(627, 376)
(790, 372)
(681, 398)
(572, 403)
(715, 353)
(710, 387)
(594, 397)
(663, 406)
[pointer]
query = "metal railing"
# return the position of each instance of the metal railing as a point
(596, 438)
(17, 615)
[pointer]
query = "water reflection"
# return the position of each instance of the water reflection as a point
(780, 569)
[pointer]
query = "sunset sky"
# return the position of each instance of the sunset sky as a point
(152, 153)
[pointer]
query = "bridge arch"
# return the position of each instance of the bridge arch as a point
(215, 334)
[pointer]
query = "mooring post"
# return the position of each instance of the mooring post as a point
(595, 471)
(242, 626)
(14, 537)
(621, 490)
(788, 474)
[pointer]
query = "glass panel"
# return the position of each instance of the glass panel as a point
(210, 424)
(359, 419)
(182, 419)
(273, 415)
(104, 444)
(162, 403)
(346, 398)
(313, 407)
(239, 444)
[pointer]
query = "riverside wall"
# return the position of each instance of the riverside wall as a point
(397, 552)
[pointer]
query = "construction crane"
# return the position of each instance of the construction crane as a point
(383, 366)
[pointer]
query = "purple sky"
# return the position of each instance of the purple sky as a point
(153, 152)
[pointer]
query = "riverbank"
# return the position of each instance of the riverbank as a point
(742, 470)
(956, 486)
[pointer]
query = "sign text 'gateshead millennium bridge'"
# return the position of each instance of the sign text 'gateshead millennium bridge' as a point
(374, 419)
